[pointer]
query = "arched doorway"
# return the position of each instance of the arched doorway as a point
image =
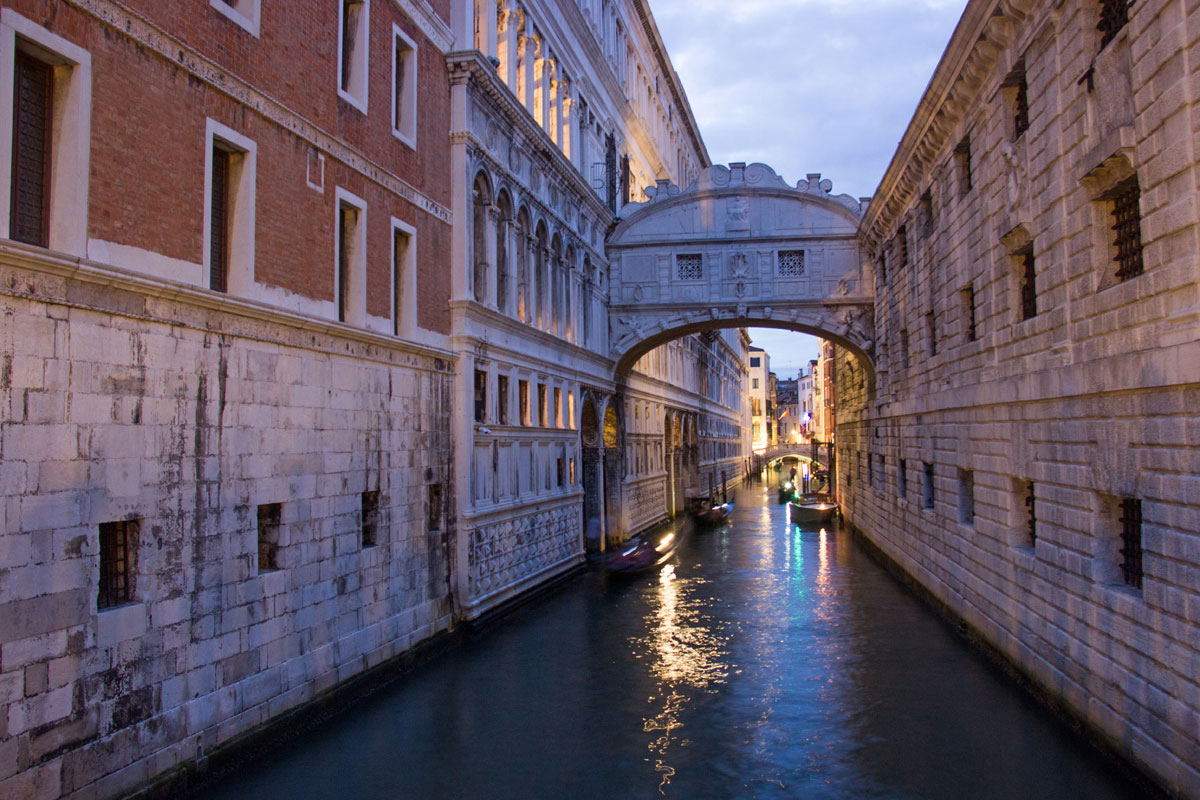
(593, 477)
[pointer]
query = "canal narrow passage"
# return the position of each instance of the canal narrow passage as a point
(762, 661)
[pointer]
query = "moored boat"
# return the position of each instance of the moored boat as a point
(812, 511)
(646, 551)
(714, 515)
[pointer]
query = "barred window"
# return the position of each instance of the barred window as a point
(962, 156)
(1126, 217)
(1030, 513)
(1131, 541)
(270, 516)
(118, 543)
(370, 518)
(902, 247)
(968, 298)
(689, 267)
(1028, 283)
(1021, 109)
(1113, 16)
(966, 497)
(791, 263)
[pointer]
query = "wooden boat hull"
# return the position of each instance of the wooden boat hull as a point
(812, 513)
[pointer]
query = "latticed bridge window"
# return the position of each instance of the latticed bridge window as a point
(1127, 227)
(791, 263)
(689, 267)
(1113, 16)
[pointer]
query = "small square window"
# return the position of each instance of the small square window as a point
(791, 263)
(689, 267)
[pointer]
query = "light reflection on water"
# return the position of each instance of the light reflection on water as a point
(764, 661)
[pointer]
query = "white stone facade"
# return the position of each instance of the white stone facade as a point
(1028, 450)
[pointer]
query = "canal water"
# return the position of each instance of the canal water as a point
(763, 661)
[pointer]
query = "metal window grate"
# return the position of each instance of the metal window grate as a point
(116, 563)
(218, 267)
(270, 517)
(370, 518)
(791, 263)
(689, 267)
(1127, 225)
(1028, 284)
(1021, 110)
(30, 198)
(1113, 16)
(1131, 541)
(1031, 514)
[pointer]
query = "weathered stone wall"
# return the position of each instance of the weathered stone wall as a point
(185, 412)
(1092, 399)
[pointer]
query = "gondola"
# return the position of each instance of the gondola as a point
(714, 516)
(812, 510)
(645, 552)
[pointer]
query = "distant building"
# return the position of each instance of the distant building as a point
(760, 382)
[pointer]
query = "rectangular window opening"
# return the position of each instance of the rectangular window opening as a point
(689, 267)
(1028, 270)
(523, 402)
(480, 395)
(32, 126)
(927, 486)
(502, 400)
(218, 265)
(1126, 216)
(791, 263)
(968, 298)
(347, 225)
(558, 408)
(541, 402)
(902, 479)
(352, 63)
(966, 497)
(118, 546)
(1131, 541)
(404, 87)
(962, 157)
(269, 524)
(1031, 513)
(401, 241)
(931, 327)
(369, 506)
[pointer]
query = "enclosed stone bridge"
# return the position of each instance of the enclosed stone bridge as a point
(740, 248)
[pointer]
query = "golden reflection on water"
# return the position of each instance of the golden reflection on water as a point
(685, 653)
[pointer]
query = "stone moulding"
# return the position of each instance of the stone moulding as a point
(61, 272)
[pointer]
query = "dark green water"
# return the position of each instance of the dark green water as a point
(763, 661)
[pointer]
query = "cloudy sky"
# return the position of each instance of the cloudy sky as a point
(805, 86)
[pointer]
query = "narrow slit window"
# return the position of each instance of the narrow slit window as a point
(523, 402)
(1028, 268)
(962, 157)
(33, 103)
(541, 403)
(118, 544)
(480, 395)
(931, 329)
(502, 399)
(1113, 16)
(927, 486)
(1031, 513)
(369, 508)
(347, 222)
(966, 497)
(968, 299)
(902, 479)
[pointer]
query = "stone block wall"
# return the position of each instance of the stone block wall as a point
(186, 414)
(996, 450)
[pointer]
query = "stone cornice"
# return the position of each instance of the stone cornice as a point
(664, 61)
(154, 39)
(103, 276)
(436, 30)
(984, 31)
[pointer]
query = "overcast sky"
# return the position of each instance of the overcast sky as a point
(805, 86)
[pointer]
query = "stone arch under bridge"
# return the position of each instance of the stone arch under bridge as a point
(740, 248)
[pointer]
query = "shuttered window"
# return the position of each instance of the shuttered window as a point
(33, 96)
(218, 266)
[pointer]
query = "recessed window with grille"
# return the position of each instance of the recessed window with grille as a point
(791, 263)
(962, 157)
(118, 544)
(1126, 217)
(927, 219)
(902, 479)
(968, 299)
(1131, 541)
(1028, 268)
(502, 399)
(270, 517)
(1030, 513)
(902, 247)
(1113, 16)
(689, 267)
(966, 497)
(480, 395)
(927, 486)
(931, 329)
(33, 102)
(370, 518)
